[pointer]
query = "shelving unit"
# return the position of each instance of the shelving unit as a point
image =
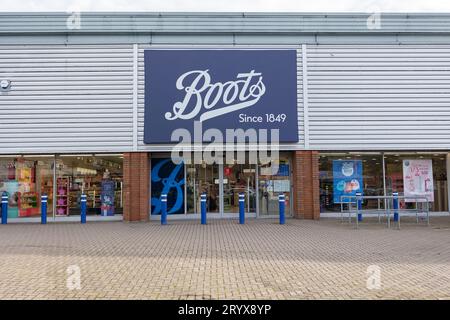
(48, 190)
(62, 197)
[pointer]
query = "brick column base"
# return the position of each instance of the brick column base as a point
(136, 186)
(306, 185)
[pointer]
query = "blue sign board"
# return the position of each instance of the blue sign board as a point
(347, 179)
(167, 178)
(220, 89)
(107, 197)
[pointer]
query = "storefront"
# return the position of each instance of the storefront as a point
(111, 111)
(261, 184)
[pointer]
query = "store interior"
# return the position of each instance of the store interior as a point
(375, 179)
(63, 179)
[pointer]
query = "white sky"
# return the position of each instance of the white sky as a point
(229, 5)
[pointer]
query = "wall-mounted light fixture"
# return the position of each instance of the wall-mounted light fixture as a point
(5, 85)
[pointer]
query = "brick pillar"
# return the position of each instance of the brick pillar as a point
(136, 186)
(306, 185)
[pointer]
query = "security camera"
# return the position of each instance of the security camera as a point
(4, 84)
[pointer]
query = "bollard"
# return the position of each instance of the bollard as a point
(83, 208)
(163, 209)
(203, 208)
(5, 207)
(395, 205)
(359, 204)
(241, 208)
(44, 199)
(281, 202)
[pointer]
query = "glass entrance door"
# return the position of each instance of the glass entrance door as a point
(200, 179)
(239, 178)
(274, 179)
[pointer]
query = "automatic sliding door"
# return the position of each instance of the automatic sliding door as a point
(202, 179)
(239, 178)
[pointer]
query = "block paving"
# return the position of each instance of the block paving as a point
(303, 259)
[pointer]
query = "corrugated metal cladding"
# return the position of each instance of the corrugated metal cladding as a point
(66, 98)
(379, 97)
(141, 84)
(79, 98)
(135, 22)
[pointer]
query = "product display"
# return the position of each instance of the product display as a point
(107, 195)
(62, 197)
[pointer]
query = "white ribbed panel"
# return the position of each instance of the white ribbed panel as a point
(379, 97)
(66, 98)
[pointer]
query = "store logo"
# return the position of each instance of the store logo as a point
(347, 169)
(168, 175)
(202, 94)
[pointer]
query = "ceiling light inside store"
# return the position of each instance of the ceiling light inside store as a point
(85, 171)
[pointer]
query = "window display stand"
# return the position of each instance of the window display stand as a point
(62, 197)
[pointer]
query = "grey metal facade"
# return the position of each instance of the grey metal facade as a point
(82, 90)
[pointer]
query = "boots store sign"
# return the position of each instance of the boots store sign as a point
(220, 89)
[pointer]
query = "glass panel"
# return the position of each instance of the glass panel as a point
(167, 177)
(239, 178)
(25, 180)
(199, 179)
(100, 177)
(346, 174)
(395, 183)
(274, 179)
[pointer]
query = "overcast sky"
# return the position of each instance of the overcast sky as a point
(229, 5)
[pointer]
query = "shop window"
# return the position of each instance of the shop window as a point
(26, 179)
(167, 178)
(100, 177)
(432, 180)
(346, 174)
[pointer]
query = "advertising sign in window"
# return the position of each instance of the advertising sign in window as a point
(347, 179)
(418, 180)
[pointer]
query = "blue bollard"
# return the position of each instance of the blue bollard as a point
(203, 208)
(359, 205)
(44, 199)
(395, 205)
(282, 203)
(83, 208)
(241, 208)
(5, 207)
(164, 209)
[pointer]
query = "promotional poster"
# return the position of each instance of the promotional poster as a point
(418, 180)
(347, 179)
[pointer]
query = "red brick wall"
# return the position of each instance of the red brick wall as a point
(136, 186)
(306, 185)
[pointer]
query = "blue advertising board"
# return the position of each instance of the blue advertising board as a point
(167, 178)
(347, 179)
(220, 89)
